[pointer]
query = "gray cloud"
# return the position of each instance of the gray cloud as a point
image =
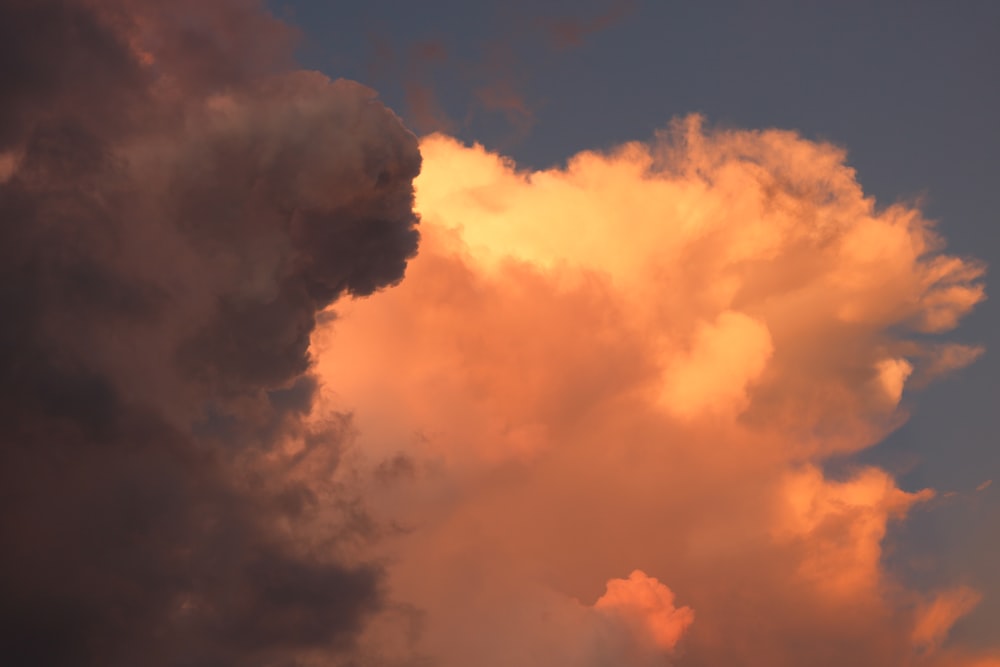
(178, 208)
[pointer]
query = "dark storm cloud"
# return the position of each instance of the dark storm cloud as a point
(174, 211)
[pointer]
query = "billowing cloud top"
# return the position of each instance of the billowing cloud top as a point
(638, 363)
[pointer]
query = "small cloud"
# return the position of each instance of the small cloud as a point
(647, 606)
(936, 618)
(570, 32)
(424, 111)
(428, 51)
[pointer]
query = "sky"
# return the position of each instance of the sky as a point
(588, 334)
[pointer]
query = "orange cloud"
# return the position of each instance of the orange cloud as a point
(725, 357)
(643, 602)
(639, 361)
(936, 618)
(841, 526)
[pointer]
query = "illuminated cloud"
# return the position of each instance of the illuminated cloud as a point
(639, 361)
(936, 618)
(726, 356)
(841, 525)
(648, 606)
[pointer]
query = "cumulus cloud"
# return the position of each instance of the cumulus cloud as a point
(840, 526)
(177, 205)
(640, 361)
(648, 606)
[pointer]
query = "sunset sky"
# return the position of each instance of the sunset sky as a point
(577, 334)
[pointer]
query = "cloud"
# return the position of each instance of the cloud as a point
(725, 357)
(424, 110)
(177, 206)
(841, 526)
(570, 32)
(504, 97)
(648, 606)
(491, 78)
(639, 361)
(936, 618)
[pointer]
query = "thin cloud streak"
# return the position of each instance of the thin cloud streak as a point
(572, 31)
